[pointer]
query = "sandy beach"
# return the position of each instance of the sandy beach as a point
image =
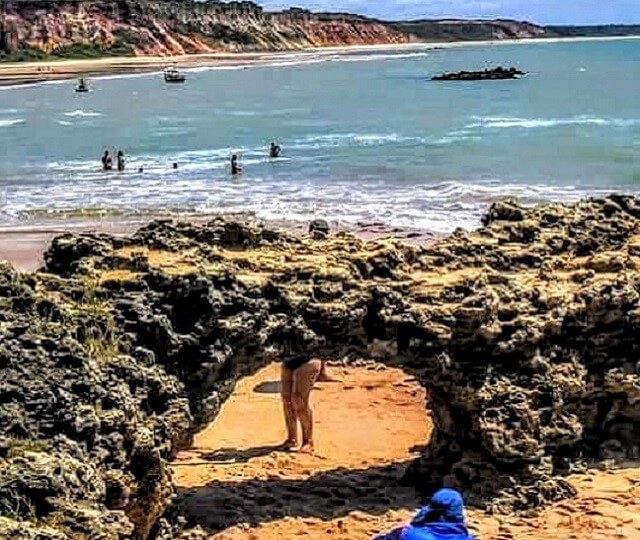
(369, 425)
(20, 73)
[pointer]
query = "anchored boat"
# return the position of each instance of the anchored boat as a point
(82, 86)
(173, 75)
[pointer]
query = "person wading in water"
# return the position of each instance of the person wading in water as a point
(107, 163)
(236, 168)
(274, 150)
(120, 160)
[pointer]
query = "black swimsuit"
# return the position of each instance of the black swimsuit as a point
(295, 362)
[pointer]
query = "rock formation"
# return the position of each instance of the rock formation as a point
(158, 27)
(525, 334)
(495, 74)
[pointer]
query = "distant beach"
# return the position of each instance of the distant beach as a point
(20, 73)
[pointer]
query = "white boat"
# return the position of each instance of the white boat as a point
(173, 75)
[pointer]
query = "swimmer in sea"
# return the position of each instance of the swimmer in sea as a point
(120, 160)
(236, 168)
(107, 163)
(274, 150)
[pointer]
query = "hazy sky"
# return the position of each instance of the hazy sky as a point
(542, 11)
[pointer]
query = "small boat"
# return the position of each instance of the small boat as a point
(82, 86)
(172, 75)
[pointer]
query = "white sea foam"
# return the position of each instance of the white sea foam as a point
(11, 122)
(495, 122)
(438, 206)
(375, 57)
(79, 113)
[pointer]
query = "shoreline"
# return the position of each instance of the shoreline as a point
(18, 74)
(24, 247)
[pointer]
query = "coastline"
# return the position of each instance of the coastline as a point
(15, 74)
(24, 246)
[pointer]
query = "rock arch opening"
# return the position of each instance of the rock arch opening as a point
(369, 425)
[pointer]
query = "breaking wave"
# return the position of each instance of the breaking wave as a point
(533, 123)
(79, 113)
(12, 122)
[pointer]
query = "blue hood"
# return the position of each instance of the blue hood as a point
(441, 519)
(445, 505)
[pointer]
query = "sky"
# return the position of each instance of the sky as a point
(540, 11)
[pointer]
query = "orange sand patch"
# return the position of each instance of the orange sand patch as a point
(369, 418)
(368, 428)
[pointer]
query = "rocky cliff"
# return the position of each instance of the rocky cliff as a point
(470, 30)
(158, 27)
(525, 335)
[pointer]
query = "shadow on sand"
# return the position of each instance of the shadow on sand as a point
(233, 455)
(327, 495)
(268, 387)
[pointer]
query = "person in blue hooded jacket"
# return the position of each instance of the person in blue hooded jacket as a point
(441, 519)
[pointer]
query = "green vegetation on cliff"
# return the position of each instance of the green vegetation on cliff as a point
(468, 30)
(67, 52)
(608, 30)
(490, 30)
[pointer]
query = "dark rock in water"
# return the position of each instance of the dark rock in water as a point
(319, 228)
(498, 73)
(524, 333)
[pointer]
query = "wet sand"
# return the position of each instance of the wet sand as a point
(369, 426)
(24, 246)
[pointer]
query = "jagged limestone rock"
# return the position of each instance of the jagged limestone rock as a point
(525, 334)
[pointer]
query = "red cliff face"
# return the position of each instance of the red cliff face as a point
(149, 27)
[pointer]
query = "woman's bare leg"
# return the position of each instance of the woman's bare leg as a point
(286, 392)
(303, 379)
(323, 376)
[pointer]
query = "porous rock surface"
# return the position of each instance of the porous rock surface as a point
(525, 334)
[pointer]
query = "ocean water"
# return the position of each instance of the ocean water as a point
(365, 137)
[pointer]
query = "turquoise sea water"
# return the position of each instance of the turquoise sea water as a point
(365, 137)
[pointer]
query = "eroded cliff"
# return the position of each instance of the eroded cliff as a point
(157, 27)
(471, 30)
(525, 335)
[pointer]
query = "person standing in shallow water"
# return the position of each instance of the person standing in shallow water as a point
(236, 168)
(120, 160)
(298, 376)
(107, 163)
